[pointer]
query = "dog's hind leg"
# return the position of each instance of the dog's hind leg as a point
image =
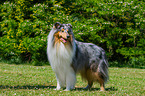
(89, 77)
(90, 83)
(102, 83)
(102, 86)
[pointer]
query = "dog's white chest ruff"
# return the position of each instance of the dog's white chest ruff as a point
(60, 57)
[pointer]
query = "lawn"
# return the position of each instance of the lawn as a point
(27, 80)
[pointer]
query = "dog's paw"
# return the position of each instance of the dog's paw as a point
(102, 90)
(57, 89)
(73, 87)
(67, 90)
(87, 87)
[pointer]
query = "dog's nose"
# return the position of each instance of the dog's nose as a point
(68, 36)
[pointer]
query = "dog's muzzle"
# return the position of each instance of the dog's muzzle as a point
(64, 36)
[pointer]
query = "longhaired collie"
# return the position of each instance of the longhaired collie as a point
(68, 57)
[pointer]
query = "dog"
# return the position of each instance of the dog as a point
(68, 56)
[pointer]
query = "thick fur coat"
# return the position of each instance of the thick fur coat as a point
(68, 57)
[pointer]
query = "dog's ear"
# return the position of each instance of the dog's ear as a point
(57, 25)
(70, 25)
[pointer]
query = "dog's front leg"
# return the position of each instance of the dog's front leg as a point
(58, 84)
(70, 80)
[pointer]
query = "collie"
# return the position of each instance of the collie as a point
(68, 57)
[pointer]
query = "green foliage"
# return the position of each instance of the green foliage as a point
(117, 26)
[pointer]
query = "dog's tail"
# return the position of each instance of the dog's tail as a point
(103, 66)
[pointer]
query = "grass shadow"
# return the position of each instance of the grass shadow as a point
(51, 87)
(95, 89)
(26, 87)
(82, 89)
(111, 89)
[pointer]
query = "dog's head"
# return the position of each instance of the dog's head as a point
(63, 33)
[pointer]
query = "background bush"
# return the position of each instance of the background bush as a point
(117, 26)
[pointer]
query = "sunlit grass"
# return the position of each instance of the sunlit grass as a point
(40, 80)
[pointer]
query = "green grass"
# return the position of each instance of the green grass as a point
(27, 80)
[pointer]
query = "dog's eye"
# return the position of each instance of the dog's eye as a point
(68, 30)
(62, 30)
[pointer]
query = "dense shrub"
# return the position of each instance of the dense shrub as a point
(117, 26)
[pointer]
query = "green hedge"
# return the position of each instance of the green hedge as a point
(117, 26)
